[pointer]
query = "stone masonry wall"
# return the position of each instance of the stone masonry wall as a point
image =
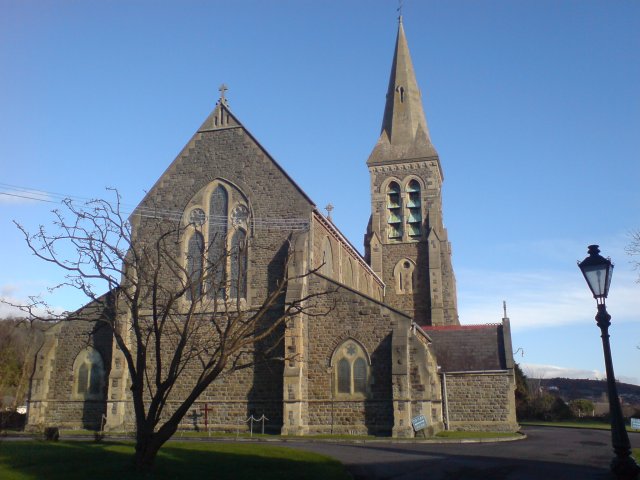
(229, 154)
(369, 323)
(363, 278)
(55, 404)
(433, 299)
(481, 401)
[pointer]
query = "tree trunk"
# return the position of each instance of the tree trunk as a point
(148, 444)
(147, 447)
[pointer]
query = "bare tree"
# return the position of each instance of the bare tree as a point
(170, 311)
(19, 338)
(633, 250)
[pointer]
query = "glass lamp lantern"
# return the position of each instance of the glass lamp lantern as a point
(597, 271)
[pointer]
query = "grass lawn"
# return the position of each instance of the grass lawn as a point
(33, 460)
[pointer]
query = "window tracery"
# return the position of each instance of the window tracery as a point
(89, 374)
(351, 370)
(220, 214)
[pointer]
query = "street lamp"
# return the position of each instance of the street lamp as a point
(597, 271)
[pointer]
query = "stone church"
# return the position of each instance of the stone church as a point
(391, 347)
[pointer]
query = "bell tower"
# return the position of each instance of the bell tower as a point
(406, 243)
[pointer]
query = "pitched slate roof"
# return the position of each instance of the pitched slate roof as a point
(468, 347)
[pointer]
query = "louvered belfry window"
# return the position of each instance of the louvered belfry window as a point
(394, 211)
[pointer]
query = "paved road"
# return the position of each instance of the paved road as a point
(548, 453)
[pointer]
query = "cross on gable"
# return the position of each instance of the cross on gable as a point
(329, 209)
(223, 89)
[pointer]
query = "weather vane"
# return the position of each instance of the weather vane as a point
(399, 9)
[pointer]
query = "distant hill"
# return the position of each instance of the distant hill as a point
(572, 388)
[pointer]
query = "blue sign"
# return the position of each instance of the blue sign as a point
(635, 423)
(419, 423)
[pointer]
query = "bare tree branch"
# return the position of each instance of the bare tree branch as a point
(169, 316)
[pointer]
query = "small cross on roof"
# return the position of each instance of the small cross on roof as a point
(223, 88)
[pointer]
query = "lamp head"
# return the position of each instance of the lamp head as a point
(597, 271)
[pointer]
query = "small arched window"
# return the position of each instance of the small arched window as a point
(327, 258)
(351, 366)
(89, 374)
(195, 260)
(414, 209)
(238, 287)
(394, 211)
(404, 274)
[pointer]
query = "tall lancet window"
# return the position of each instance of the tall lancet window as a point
(394, 211)
(414, 209)
(238, 287)
(344, 376)
(195, 259)
(217, 255)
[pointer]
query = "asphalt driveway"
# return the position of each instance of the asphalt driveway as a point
(548, 453)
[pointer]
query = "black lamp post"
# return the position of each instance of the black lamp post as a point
(597, 271)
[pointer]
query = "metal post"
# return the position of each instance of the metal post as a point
(622, 465)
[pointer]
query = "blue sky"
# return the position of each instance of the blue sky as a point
(533, 106)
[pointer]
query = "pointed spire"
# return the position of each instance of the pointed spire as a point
(404, 132)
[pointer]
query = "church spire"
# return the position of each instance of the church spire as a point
(404, 132)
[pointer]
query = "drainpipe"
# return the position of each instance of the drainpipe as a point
(445, 403)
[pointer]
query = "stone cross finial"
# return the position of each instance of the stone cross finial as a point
(329, 209)
(223, 88)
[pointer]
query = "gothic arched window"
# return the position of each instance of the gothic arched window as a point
(217, 238)
(238, 285)
(414, 209)
(218, 220)
(89, 374)
(394, 211)
(195, 260)
(351, 366)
